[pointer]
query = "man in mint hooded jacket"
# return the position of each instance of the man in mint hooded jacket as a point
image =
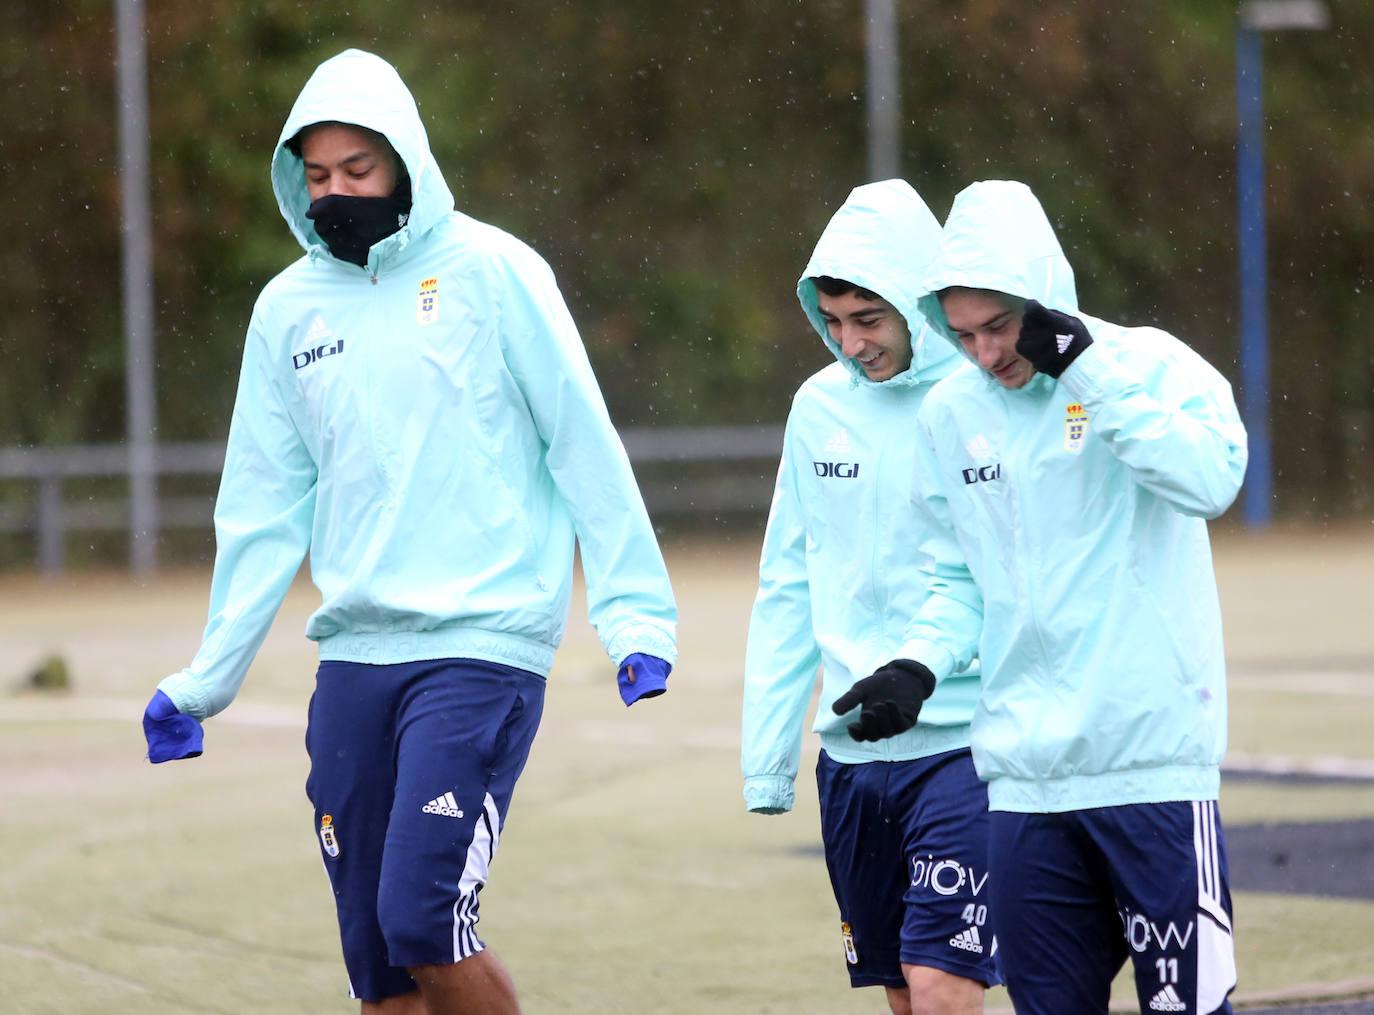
(415, 410)
(1064, 478)
(903, 818)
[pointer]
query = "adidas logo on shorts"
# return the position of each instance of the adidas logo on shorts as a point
(445, 805)
(968, 940)
(1167, 1000)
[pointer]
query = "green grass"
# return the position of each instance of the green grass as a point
(629, 877)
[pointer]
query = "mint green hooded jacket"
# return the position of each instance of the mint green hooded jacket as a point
(429, 429)
(1067, 539)
(837, 579)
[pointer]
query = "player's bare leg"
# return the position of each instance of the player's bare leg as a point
(936, 992)
(899, 1000)
(403, 1004)
(479, 985)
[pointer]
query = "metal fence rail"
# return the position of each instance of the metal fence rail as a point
(683, 471)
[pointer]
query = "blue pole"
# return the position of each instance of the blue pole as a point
(1254, 322)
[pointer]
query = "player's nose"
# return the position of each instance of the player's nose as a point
(851, 343)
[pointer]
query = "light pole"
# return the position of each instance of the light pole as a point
(140, 390)
(883, 94)
(1258, 16)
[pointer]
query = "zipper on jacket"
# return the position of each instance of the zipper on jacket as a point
(1018, 456)
(1033, 555)
(880, 590)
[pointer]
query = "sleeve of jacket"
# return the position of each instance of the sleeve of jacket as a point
(1167, 415)
(782, 656)
(263, 518)
(944, 635)
(629, 599)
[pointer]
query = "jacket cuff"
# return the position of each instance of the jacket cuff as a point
(643, 638)
(769, 794)
(186, 694)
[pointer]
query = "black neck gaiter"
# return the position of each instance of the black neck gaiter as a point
(350, 225)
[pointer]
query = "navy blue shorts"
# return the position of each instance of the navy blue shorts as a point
(906, 846)
(412, 767)
(1078, 893)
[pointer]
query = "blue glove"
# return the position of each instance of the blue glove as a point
(170, 734)
(642, 676)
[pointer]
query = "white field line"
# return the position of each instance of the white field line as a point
(260, 714)
(64, 963)
(1336, 683)
(268, 716)
(69, 709)
(1330, 766)
(703, 737)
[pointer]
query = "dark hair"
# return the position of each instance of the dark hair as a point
(840, 286)
(1008, 301)
(293, 143)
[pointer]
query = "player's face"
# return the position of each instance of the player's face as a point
(987, 327)
(870, 332)
(340, 159)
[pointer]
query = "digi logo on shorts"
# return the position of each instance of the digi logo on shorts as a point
(836, 470)
(945, 877)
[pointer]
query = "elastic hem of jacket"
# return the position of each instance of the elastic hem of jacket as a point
(1107, 789)
(772, 791)
(643, 638)
(186, 694)
(443, 643)
(919, 742)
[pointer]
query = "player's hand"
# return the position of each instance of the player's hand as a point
(170, 734)
(642, 676)
(1049, 340)
(891, 699)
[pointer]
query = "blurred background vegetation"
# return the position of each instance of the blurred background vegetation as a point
(675, 164)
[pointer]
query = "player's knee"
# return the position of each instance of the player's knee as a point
(412, 934)
(936, 992)
(899, 1000)
(404, 1004)
(401, 925)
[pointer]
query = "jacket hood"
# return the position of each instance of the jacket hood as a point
(881, 239)
(998, 237)
(359, 88)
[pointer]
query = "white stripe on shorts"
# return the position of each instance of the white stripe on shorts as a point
(1216, 952)
(485, 838)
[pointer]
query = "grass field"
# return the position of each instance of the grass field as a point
(629, 879)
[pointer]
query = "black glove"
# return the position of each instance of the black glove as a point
(1049, 340)
(891, 699)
